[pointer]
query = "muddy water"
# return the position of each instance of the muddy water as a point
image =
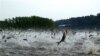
(31, 51)
(76, 49)
(26, 51)
(37, 52)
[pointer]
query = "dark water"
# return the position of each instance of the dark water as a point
(39, 52)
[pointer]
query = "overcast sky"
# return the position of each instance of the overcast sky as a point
(54, 9)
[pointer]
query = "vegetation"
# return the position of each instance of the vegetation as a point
(85, 22)
(26, 22)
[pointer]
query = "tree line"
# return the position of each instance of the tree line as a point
(84, 22)
(27, 22)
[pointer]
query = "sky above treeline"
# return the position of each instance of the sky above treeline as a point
(53, 9)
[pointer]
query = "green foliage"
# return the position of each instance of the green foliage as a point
(85, 22)
(27, 22)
